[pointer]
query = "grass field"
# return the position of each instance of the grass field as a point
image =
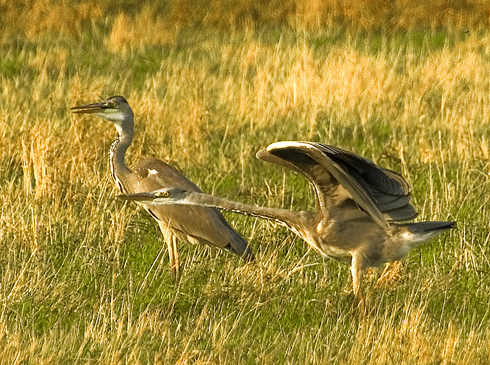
(84, 279)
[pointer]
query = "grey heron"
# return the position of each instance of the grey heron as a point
(361, 208)
(193, 224)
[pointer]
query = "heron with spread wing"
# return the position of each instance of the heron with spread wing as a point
(194, 224)
(360, 207)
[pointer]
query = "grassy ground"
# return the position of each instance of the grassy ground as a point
(84, 279)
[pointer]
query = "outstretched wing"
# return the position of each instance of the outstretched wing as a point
(341, 178)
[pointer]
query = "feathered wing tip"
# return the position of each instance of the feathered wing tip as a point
(240, 247)
(248, 255)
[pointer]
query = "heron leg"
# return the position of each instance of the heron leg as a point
(357, 271)
(173, 256)
(173, 253)
(176, 264)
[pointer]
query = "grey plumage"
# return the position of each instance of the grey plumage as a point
(360, 207)
(194, 224)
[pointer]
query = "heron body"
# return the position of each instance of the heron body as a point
(194, 224)
(360, 207)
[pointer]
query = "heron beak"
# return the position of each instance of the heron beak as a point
(89, 108)
(140, 197)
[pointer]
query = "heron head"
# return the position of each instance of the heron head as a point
(166, 196)
(114, 109)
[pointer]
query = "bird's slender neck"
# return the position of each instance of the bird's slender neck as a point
(120, 172)
(292, 220)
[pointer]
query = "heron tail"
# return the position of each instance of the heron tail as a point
(424, 231)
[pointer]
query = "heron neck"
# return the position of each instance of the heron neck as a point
(292, 220)
(120, 172)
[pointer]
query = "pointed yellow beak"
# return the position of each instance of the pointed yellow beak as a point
(140, 197)
(89, 108)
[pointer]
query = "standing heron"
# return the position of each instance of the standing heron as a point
(360, 207)
(193, 224)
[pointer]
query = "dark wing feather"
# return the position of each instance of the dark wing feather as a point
(207, 225)
(296, 159)
(337, 175)
(388, 189)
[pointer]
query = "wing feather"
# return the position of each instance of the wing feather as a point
(337, 175)
(207, 225)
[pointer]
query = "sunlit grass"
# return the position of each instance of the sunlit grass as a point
(84, 278)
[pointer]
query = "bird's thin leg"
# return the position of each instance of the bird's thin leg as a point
(171, 259)
(173, 256)
(357, 272)
(176, 257)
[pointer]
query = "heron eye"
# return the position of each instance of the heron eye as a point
(166, 194)
(111, 103)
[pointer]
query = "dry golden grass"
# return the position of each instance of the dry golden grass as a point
(145, 30)
(138, 25)
(83, 278)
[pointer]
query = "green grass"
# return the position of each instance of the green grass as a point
(84, 278)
